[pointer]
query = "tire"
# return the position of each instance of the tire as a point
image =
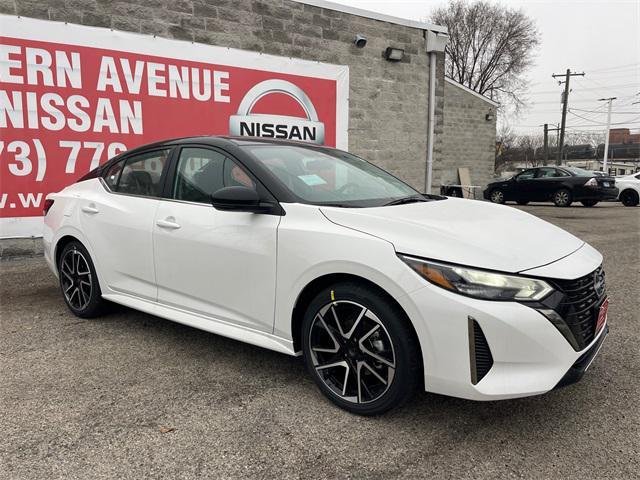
(522, 202)
(349, 328)
(79, 282)
(562, 198)
(496, 196)
(629, 198)
(589, 203)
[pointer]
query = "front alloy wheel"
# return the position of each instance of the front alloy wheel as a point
(497, 196)
(360, 349)
(352, 351)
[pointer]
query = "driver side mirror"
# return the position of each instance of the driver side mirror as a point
(239, 199)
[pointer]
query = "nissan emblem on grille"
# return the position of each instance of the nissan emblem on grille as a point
(245, 123)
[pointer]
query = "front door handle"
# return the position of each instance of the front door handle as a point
(91, 208)
(168, 223)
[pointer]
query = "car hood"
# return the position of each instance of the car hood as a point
(466, 232)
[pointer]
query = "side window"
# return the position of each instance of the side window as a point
(112, 175)
(141, 174)
(202, 171)
(546, 172)
(526, 175)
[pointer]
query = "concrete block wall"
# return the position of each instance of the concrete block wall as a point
(468, 139)
(388, 101)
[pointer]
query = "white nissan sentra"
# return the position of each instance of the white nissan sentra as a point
(310, 250)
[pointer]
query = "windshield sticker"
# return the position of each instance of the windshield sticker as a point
(312, 180)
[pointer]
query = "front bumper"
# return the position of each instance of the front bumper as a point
(529, 355)
(578, 369)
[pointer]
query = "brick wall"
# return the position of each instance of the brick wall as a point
(468, 139)
(388, 101)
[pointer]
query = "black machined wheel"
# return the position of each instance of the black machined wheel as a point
(79, 282)
(629, 198)
(359, 349)
(562, 198)
(352, 351)
(497, 196)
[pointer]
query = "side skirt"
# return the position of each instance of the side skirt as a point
(242, 334)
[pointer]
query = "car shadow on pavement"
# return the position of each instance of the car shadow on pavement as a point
(199, 350)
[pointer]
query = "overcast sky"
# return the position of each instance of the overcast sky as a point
(601, 38)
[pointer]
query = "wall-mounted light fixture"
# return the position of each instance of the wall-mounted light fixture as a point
(489, 116)
(360, 41)
(394, 54)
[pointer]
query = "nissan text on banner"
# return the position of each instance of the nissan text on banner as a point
(71, 97)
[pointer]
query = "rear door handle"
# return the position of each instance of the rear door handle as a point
(168, 223)
(90, 209)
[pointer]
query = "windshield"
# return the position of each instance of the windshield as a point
(330, 177)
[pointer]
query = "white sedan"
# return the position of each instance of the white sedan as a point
(629, 188)
(310, 250)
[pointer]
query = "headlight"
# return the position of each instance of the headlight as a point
(479, 283)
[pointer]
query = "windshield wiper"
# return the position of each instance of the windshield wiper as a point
(403, 200)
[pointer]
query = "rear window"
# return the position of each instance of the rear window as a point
(579, 172)
(138, 174)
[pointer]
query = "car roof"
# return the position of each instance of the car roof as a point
(222, 140)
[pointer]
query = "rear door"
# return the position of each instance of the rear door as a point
(216, 264)
(548, 181)
(118, 220)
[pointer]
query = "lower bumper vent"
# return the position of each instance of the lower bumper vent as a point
(479, 352)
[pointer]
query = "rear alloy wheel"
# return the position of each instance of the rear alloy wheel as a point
(589, 203)
(497, 196)
(562, 198)
(79, 282)
(359, 349)
(629, 198)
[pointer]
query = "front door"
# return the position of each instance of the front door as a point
(221, 265)
(523, 186)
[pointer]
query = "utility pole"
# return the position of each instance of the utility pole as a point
(565, 102)
(545, 159)
(606, 138)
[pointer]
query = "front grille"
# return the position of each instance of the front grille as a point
(580, 305)
(480, 354)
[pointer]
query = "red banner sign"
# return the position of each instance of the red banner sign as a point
(71, 97)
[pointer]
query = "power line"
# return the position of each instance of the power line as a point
(602, 111)
(627, 65)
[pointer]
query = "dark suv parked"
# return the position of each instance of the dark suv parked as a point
(560, 185)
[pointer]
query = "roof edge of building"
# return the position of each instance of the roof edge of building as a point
(472, 92)
(360, 12)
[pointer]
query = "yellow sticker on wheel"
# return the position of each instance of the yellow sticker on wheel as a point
(333, 296)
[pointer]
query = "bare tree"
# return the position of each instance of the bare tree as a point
(490, 48)
(505, 142)
(530, 146)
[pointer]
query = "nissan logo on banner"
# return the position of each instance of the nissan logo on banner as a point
(245, 123)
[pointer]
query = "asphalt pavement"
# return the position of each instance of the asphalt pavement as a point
(132, 396)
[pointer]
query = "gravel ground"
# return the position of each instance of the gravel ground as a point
(134, 396)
